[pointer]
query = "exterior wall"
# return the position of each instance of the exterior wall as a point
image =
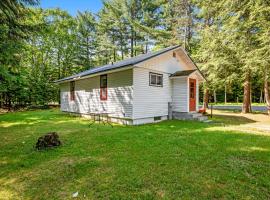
(164, 63)
(150, 101)
(87, 95)
(180, 94)
(148, 120)
(129, 93)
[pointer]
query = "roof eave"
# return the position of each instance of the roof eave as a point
(126, 67)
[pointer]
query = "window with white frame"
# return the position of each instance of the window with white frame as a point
(155, 79)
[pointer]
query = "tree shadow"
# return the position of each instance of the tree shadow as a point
(132, 160)
(230, 120)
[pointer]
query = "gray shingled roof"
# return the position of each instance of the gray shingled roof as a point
(183, 73)
(124, 63)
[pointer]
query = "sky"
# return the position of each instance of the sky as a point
(72, 6)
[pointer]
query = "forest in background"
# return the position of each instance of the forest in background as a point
(228, 39)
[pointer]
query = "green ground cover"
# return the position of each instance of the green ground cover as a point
(167, 160)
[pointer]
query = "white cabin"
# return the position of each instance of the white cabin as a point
(137, 90)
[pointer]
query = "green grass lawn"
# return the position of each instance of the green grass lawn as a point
(168, 160)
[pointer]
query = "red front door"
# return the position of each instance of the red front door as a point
(192, 94)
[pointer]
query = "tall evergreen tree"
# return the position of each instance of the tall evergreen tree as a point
(86, 40)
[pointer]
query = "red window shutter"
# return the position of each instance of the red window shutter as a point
(103, 94)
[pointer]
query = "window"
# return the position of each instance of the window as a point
(72, 90)
(155, 79)
(103, 87)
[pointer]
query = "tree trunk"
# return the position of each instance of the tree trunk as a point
(87, 53)
(58, 63)
(114, 51)
(261, 96)
(206, 98)
(266, 93)
(225, 94)
(135, 43)
(215, 97)
(185, 36)
(146, 44)
(250, 98)
(121, 46)
(132, 43)
(246, 99)
(114, 55)
(9, 102)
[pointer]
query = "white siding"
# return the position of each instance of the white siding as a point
(129, 93)
(180, 94)
(165, 63)
(150, 101)
(87, 95)
(148, 120)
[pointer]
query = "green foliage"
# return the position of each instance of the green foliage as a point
(13, 32)
(228, 39)
(233, 42)
(86, 38)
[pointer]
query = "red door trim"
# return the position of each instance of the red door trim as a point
(192, 94)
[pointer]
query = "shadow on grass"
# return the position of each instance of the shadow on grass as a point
(228, 120)
(31, 118)
(168, 160)
(220, 165)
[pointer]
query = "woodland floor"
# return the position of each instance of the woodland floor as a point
(228, 158)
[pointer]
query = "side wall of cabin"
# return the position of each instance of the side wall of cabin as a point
(87, 95)
(150, 102)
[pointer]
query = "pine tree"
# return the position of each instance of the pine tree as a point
(86, 40)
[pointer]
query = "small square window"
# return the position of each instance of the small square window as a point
(155, 79)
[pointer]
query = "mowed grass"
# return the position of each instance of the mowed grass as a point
(167, 160)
